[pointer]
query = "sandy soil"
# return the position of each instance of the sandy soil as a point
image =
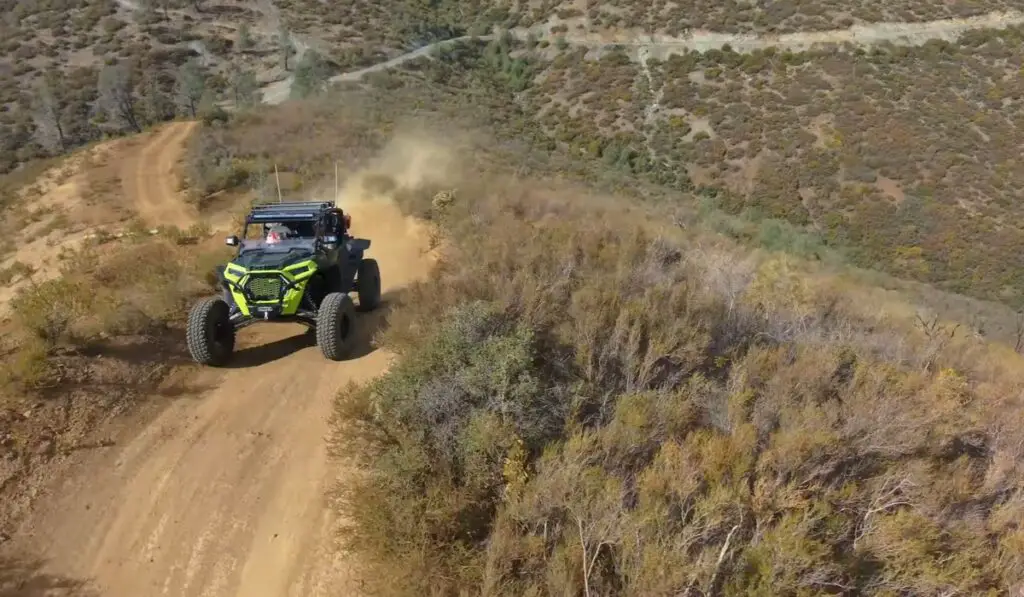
(98, 190)
(221, 492)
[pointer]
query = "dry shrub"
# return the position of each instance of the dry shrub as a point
(584, 408)
(105, 292)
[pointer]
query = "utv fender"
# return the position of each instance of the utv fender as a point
(359, 244)
(368, 284)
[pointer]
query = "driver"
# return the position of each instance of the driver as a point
(277, 233)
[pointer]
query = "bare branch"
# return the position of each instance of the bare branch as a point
(117, 96)
(885, 500)
(583, 546)
(721, 558)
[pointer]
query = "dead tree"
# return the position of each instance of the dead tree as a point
(117, 97)
(50, 130)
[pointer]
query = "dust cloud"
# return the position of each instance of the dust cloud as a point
(413, 161)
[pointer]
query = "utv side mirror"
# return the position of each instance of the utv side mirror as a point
(231, 241)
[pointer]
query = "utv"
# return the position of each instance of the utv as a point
(301, 269)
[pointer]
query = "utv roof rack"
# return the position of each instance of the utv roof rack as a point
(288, 210)
(289, 205)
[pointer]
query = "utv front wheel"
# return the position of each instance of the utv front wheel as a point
(210, 334)
(368, 284)
(335, 325)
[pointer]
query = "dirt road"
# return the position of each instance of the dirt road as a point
(150, 177)
(863, 35)
(660, 46)
(223, 493)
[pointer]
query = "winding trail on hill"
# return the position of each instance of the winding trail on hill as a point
(150, 180)
(224, 491)
(861, 35)
(659, 46)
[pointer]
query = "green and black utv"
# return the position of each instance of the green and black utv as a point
(301, 269)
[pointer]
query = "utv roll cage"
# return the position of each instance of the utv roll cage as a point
(326, 222)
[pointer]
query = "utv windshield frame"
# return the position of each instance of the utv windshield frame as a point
(294, 212)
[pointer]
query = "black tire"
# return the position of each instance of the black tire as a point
(368, 284)
(210, 335)
(335, 326)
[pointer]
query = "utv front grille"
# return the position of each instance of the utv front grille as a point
(264, 288)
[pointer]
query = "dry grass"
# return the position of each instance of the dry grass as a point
(583, 407)
(89, 344)
(859, 151)
(107, 290)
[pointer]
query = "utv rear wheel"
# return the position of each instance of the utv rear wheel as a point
(368, 284)
(210, 334)
(335, 326)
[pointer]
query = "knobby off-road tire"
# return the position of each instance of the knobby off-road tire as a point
(210, 334)
(335, 326)
(368, 284)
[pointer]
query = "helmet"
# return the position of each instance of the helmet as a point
(277, 234)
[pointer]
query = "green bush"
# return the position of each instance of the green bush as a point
(48, 309)
(453, 411)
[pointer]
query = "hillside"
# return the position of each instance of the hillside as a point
(397, 21)
(895, 150)
(591, 400)
(657, 322)
(897, 156)
(161, 58)
(901, 154)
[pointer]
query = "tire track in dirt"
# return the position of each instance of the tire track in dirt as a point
(222, 497)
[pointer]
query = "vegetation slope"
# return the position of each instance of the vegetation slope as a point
(598, 394)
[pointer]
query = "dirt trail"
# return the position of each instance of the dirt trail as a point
(662, 46)
(98, 191)
(150, 179)
(862, 35)
(223, 492)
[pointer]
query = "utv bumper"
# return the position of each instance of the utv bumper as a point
(267, 296)
(270, 313)
(265, 312)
